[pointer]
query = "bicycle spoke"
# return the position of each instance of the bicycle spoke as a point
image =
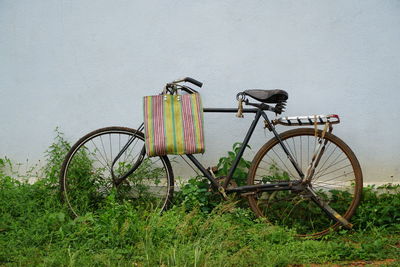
(295, 152)
(334, 171)
(131, 150)
(274, 163)
(99, 161)
(109, 139)
(308, 149)
(336, 177)
(105, 153)
(291, 152)
(336, 161)
(301, 153)
(283, 163)
(101, 155)
(327, 158)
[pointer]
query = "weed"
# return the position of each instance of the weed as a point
(36, 229)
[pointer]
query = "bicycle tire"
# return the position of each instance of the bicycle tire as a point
(340, 186)
(86, 180)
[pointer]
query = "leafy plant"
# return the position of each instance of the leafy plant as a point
(275, 174)
(379, 209)
(225, 163)
(55, 155)
(196, 193)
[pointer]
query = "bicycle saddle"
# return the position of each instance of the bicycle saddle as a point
(268, 96)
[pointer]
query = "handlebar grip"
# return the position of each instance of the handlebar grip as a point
(193, 81)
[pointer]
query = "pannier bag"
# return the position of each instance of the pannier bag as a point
(173, 124)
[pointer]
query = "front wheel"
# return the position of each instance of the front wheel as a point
(337, 180)
(100, 166)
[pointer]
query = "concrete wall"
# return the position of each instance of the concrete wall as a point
(81, 64)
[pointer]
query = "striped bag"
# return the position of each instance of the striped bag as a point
(173, 124)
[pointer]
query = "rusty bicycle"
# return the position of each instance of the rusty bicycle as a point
(305, 177)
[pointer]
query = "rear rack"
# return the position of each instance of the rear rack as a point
(307, 120)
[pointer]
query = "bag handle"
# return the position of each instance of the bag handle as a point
(172, 88)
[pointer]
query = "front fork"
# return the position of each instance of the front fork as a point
(118, 180)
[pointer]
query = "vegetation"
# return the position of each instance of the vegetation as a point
(36, 229)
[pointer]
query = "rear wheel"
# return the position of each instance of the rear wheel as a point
(337, 181)
(88, 175)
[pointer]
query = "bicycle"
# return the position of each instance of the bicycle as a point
(306, 178)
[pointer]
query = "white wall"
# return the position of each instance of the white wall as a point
(81, 64)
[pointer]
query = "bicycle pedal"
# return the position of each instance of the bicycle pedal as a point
(223, 193)
(213, 169)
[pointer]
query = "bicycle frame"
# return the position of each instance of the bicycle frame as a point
(259, 112)
(297, 185)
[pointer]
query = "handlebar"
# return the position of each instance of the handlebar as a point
(190, 80)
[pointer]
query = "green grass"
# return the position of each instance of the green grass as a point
(36, 229)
